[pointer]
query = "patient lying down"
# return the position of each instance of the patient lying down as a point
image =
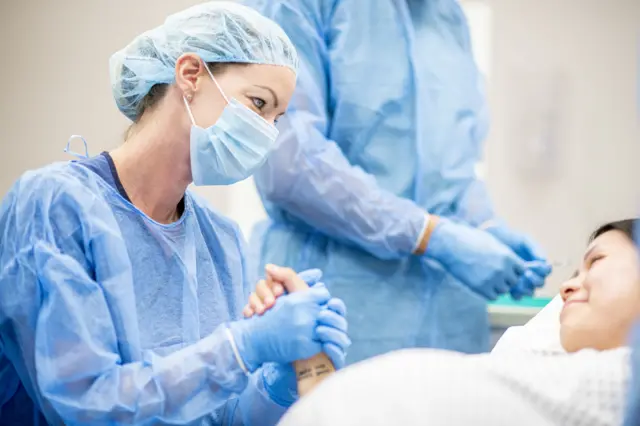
(584, 384)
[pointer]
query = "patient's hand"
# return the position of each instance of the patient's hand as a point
(278, 281)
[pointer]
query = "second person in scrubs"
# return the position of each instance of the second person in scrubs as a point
(374, 180)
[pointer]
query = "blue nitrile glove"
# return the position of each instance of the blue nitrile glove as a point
(538, 269)
(475, 257)
(533, 278)
(285, 333)
(521, 244)
(280, 379)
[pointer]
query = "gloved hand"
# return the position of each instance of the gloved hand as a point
(538, 268)
(280, 379)
(521, 245)
(533, 278)
(475, 257)
(285, 333)
(265, 294)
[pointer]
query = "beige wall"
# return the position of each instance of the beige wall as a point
(54, 82)
(55, 78)
(590, 48)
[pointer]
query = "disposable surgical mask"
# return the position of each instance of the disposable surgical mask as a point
(233, 148)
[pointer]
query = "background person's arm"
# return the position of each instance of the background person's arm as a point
(309, 176)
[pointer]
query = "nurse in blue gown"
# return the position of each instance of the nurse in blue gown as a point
(120, 290)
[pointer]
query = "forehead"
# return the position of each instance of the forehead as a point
(612, 239)
(277, 78)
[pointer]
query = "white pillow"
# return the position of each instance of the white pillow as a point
(540, 334)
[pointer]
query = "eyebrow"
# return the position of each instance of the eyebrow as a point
(275, 97)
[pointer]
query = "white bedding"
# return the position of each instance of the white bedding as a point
(528, 380)
(540, 334)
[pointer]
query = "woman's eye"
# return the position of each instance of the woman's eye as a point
(594, 259)
(258, 103)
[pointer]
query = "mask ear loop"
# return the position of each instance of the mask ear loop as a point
(68, 150)
(186, 104)
(216, 82)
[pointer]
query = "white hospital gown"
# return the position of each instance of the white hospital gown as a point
(428, 387)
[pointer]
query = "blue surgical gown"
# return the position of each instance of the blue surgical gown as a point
(632, 416)
(108, 317)
(385, 124)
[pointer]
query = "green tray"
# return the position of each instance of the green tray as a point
(525, 302)
(506, 312)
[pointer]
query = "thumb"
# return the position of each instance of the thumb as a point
(541, 268)
(319, 295)
(287, 277)
(311, 276)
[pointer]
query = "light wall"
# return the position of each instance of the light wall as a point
(564, 71)
(566, 66)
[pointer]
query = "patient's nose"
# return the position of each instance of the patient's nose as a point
(569, 287)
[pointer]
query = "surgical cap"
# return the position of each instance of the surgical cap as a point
(217, 31)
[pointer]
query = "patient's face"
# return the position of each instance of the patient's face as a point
(603, 298)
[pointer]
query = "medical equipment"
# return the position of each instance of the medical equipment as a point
(69, 151)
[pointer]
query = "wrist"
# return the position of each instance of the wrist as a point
(280, 383)
(423, 243)
(241, 343)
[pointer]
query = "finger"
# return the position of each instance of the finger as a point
(265, 294)
(332, 319)
(320, 295)
(331, 335)
(311, 276)
(516, 293)
(522, 289)
(512, 277)
(287, 277)
(277, 289)
(540, 267)
(335, 354)
(338, 306)
(247, 311)
(256, 304)
(534, 280)
(519, 265)
(490, 294)
(319, 285)
(502, 288)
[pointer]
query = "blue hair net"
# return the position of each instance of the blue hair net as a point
(217, 31)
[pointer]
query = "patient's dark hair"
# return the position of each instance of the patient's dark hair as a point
(625, 226)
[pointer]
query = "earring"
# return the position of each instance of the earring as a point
(189, 97)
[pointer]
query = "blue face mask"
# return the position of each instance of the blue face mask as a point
(233, 148)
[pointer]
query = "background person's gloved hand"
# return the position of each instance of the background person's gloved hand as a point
(538, 268)
(533, 278)
(475, 257)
